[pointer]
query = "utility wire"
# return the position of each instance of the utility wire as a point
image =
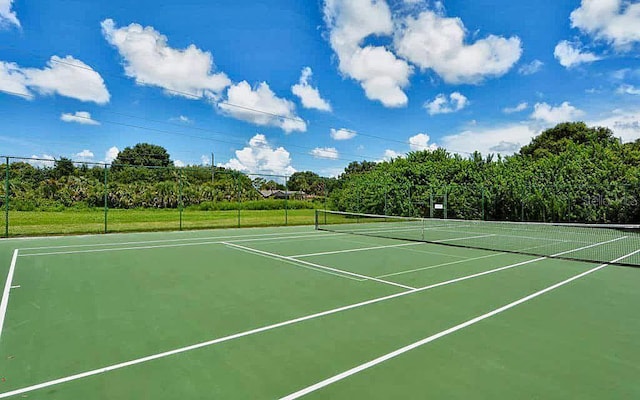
(199, 97)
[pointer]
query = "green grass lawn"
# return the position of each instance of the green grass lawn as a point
(31, 223)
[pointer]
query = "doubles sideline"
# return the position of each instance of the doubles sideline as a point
(398, 352)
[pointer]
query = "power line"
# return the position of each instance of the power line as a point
(197, 97)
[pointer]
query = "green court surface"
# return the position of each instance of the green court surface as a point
(299, 313)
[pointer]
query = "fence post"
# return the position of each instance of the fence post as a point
(106, 194)
(180, 204)
(484, 217)
(6, 199)
(431, 202)
(286, 200)
(238, 197)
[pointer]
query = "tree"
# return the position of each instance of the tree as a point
(63, 167)
(303, 181)
(144, 154)
(356, 167)
(557, 140)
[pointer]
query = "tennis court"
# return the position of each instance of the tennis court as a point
(350, 310)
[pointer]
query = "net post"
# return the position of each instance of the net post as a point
(106, 196)
(316, 219)
(286, 200)
(6, 199)
(446, 195)
(324, 184)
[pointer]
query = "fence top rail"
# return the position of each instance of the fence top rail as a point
(104, 164)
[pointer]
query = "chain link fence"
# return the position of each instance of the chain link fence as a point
(45, 197)
(611, 202)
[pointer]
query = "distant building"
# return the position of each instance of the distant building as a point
(282, 194)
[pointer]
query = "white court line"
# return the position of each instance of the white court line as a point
(439, 265)
(7, 288)
(463, 238)
(169, 240)
(301, 264)
(252, 332)
(454, 262)
(324, 253)
(265, 253)
(438, 335)
(391, 246)
(162, 246)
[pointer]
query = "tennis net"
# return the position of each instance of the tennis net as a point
(611, 244)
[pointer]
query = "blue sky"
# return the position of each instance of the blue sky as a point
(280, 86)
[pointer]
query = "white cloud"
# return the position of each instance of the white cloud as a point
(555, 115)
(242, 100)
(614, 21)
(148, 58)
(42, 161)
(443, 105)
(624, 124)
(330, 153)
(390, 155)
(342, 134)
(309, 95)
(66, 76)
(205, 160)
(505, 139)
(7, 16)
(13, 80)
(179, 163)
(420, 142)
(182, 119)
(261, 157)
(532, 68)
(520, 107)
(79, 117)
(432, 41)
(382, 75)
(84, 155)
(569, 55)
(111, 154)
(628, 89)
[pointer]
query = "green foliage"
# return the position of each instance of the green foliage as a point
(311, 183)
(560, 138)
(63, 167)
(568, 173)
(255, 205)
(146, 154)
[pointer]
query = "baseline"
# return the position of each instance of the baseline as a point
(162, 246)
(7, 289)
(223, 237)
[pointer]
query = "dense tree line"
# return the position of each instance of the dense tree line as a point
(568, 173)
(571, 172)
